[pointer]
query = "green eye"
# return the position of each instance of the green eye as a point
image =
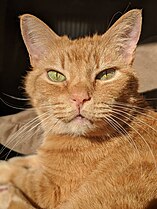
(56, 76)
(106, 74)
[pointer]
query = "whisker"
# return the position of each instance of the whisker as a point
(120, 129)
(141, 121)
(25, 108)
(151, 99)
(10, 105)
(136, 111)
(27, 126)
(117, 13)
(22, 130)
(125, 105)
(20, 141)
(17, 98)
(50, 128)
(148, 146)
(129, 107)
(30, 130)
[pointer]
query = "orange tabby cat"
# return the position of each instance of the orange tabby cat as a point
(100, 139)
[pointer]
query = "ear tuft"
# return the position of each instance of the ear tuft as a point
(37, 36)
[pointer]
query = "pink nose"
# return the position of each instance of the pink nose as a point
(80, 98)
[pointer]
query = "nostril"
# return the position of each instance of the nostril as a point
(86, 99)
(80, 99)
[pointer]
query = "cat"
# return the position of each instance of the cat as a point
(100, 140)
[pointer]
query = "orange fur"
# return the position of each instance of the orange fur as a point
(100, 138)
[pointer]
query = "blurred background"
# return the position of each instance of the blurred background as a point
(75, 18)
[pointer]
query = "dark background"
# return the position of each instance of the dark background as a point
(74, 18)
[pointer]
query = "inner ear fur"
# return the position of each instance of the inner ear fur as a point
(125, 33)
(37, 36)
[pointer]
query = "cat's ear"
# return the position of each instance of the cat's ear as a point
(37, 36)
(125, 33)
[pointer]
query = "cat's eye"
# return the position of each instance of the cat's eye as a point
(106, 74)
(56, 76)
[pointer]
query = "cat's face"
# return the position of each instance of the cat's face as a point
(74, 84)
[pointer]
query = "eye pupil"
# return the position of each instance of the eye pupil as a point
(106, 74)
(56, 76)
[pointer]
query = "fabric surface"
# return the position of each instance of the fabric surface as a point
(145, 65)
(19, 134)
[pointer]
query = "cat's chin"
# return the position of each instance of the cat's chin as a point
(81, 126)
(78, 126)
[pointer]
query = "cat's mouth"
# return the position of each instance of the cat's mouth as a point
(79, 116)
(81, 119)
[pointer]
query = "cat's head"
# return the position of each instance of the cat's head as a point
(75, 84)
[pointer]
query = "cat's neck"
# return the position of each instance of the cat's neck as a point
(72, 156)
